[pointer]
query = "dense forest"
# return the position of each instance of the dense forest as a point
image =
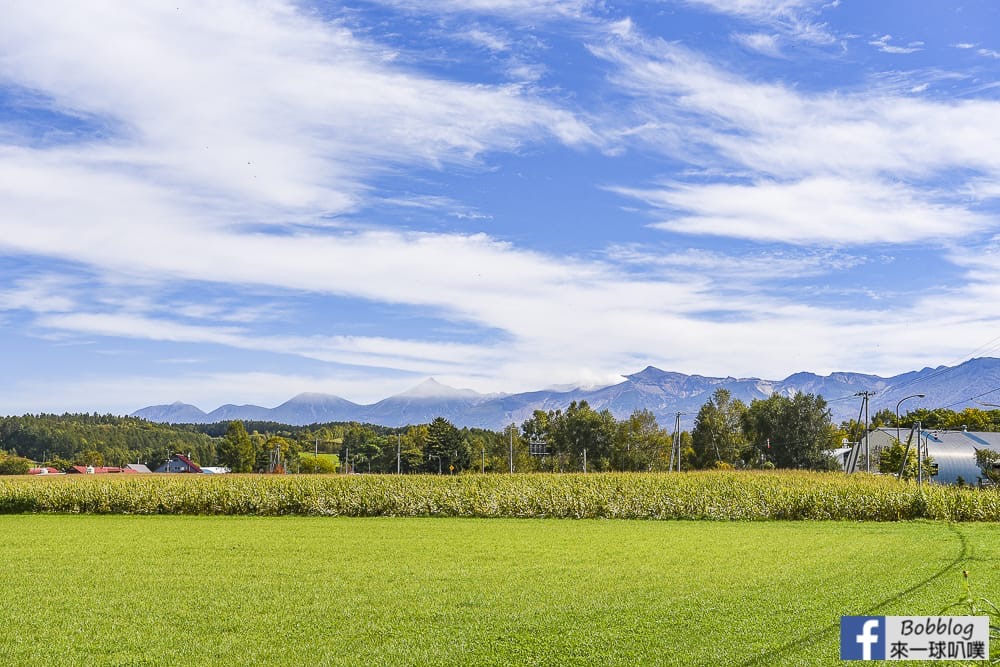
(98, 440)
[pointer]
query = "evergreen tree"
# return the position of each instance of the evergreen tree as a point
(236, 451)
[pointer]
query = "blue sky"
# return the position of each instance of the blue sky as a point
(240, 201)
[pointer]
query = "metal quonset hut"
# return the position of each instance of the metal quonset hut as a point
(954, 452)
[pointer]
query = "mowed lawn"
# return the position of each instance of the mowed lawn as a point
(187, 590)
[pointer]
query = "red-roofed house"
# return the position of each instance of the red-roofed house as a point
(47, 470)
(96, 470)
(179, 463)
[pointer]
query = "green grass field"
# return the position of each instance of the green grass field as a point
(188, 590)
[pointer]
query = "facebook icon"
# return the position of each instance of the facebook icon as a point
(862, 637)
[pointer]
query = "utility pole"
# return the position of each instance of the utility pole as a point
(484, 458)
(865, 395)
(584, 459)
(675, 446)
(399, 467)
(512, 449)
(920, 467)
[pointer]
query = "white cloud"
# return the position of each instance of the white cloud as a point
(988, 53)
(829, 211)
(401, 354)
(885, 47)
(739, 272)
(863, 150)
(493, 41)
(793, 18)
(40, 294)
(964, 45)
(516, 9)
(761, 43)
(535, 303)
(343, 113)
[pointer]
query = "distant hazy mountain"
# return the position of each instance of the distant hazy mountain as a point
(422, 404)
(315, 408)
(175, 413)
(662, 392)
(229, 412)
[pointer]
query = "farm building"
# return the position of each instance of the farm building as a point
(179, 463)
(138, 468)
(96, 470)
(954, 452)
(46, 470)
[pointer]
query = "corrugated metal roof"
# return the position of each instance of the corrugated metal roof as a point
(953, 451)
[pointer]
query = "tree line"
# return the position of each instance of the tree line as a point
(779, 431)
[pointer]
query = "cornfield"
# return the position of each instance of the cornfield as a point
(722, 495)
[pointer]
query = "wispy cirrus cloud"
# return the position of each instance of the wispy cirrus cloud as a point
(747, 271)
(761, 43)
(345, 110)
(845, 168)
(883, 45)
(796, 19)
(831, 211)
(516, 9)
(492, 40)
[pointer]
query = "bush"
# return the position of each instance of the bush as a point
(317, 465)
(14, 465)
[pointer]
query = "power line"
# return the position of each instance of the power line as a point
(925, 378)
(842, 398)
(990, 346)
(967, 400)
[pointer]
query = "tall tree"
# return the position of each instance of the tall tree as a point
(717, 437)
(792, 432)
(640, 443)
(359, 446)
(411, 444)
(445, 447)
(582, 429)
(236, 451)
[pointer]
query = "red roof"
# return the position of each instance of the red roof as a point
(188, 465)
(188, 462)
(97, 470)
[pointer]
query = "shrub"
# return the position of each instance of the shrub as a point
(14, 465)
(323, 465)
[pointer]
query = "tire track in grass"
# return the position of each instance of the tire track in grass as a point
(797, 645)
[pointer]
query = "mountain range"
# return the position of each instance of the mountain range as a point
(663, 393)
